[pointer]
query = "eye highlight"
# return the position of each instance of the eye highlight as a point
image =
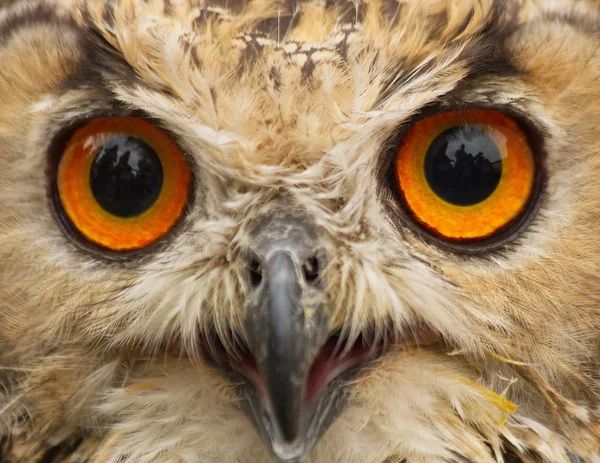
(122, 183)
(465, 175)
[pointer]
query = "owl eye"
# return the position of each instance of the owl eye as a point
(465, 175)
(122, 183)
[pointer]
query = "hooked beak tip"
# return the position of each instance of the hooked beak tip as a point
(285, 401)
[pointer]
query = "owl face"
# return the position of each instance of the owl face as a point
(351, 232)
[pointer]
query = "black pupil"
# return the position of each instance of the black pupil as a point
(463, 166)
(126, 176)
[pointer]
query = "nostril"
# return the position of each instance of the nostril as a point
(254, 272)
(311, 270)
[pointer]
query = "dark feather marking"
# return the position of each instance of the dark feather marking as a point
(235, 6)
(192, 50)
(204, 16)
(589, 25)
(108, 15)
(252, 51)
(195, 58)
(487, 56)
(185, 44)
(105, 65)
(285, 20)
(5, 447)
(352, 12)
(392, 11)
(213, 96)
(275, 76)
(61, 451)
(342, 46)
(168, 8)
(308, 68)
(31, 16)
(95, 40)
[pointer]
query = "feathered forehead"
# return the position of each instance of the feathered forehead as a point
(290, 79)
(408, 27)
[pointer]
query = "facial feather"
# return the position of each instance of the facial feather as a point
(294, 106)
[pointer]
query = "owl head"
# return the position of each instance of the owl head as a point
(311, 231)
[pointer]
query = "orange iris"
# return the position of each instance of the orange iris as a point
(465, 175)
(131, 166)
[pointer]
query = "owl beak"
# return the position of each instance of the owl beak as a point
(291, 368)
(287, 333)
(279, 341)
(292, 396)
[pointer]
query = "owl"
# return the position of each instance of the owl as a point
(300, 231)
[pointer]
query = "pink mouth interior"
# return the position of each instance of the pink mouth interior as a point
(332, 360)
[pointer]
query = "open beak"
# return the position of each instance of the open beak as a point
(279, 339)
(294, 370)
